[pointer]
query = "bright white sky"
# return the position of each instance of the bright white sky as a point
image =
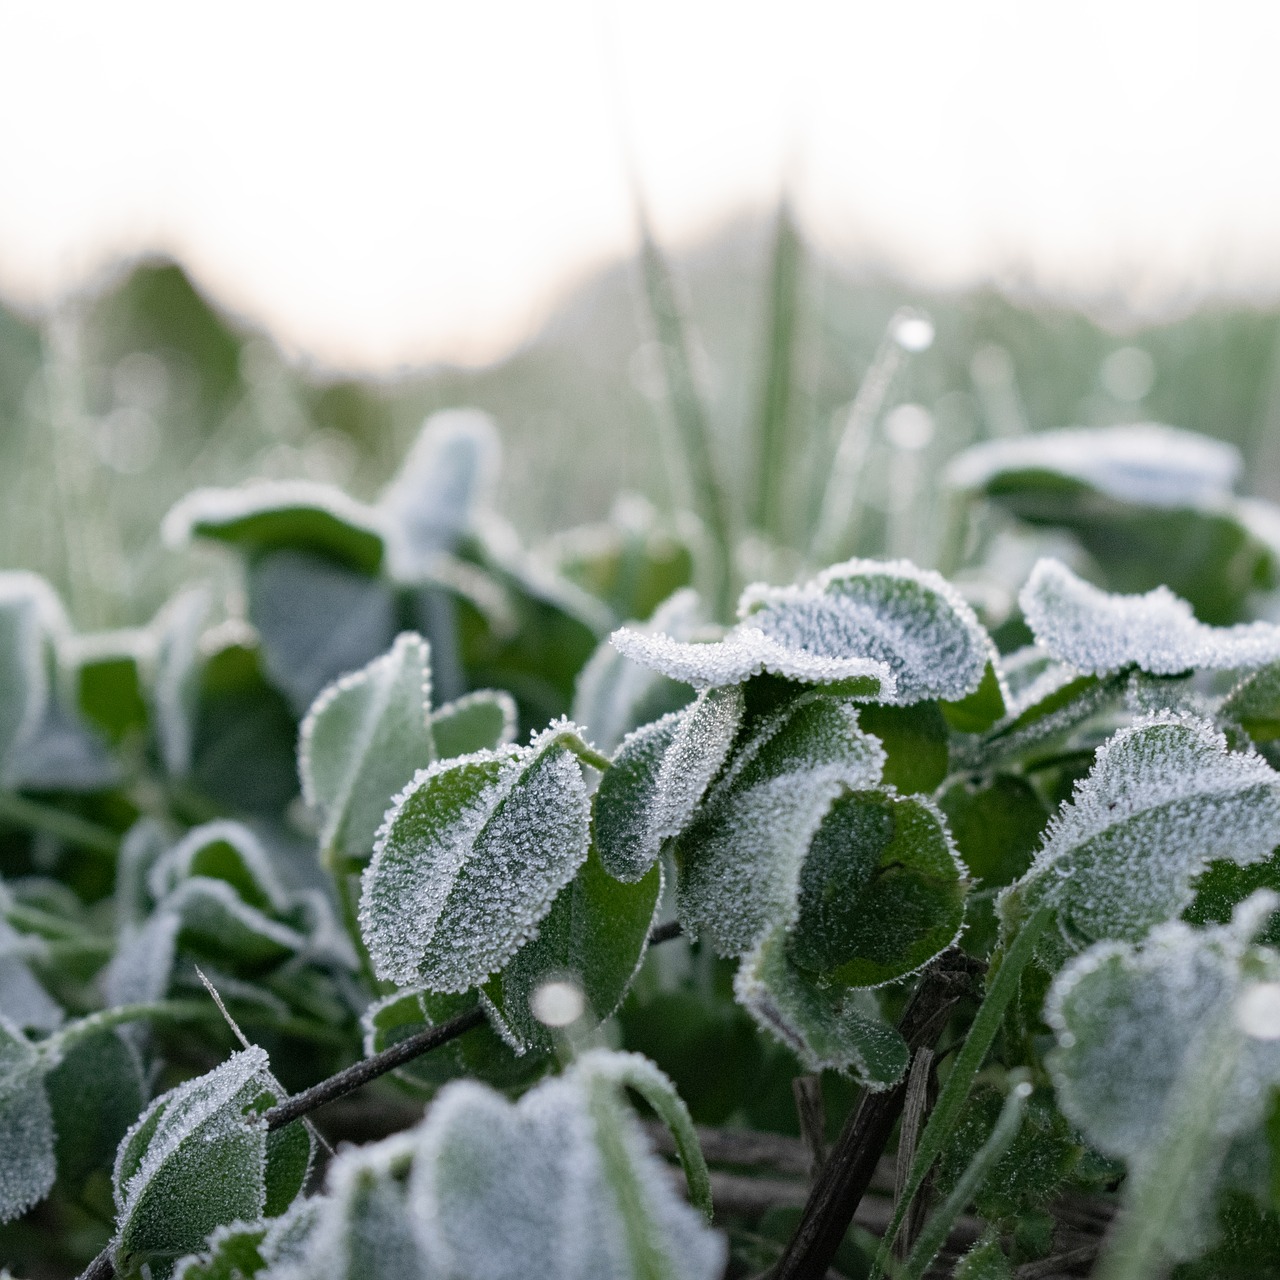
(398, 180)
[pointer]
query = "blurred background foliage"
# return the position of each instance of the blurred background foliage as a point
(127, 398)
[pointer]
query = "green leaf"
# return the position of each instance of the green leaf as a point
(881, 890)
(107, 672)
(233, 1252)
(996, 821)
(244, 735)
(274, 515)
(881, 630)
(197, 1159)
(481, 721)
(594, 936)
(979, 710)
(471, 860)
(288, 591)
(1225, 885)
(1165, 797)
(26, 1125)
(985, 1261)
(739, 861)
(95, 1093)
(559, 1184)
(1151, 504)
(828, 1025)
(1166, 1054)
(1097, 633)
(915, 743)
(659, 776)
(175, 689)
(362, 742)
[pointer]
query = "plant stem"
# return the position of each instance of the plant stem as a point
(955, 1092)
(69, 827)
(849, 1168)
(361, 1073)
(936, 1230)
(104, 1019)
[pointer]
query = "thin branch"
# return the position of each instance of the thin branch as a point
(1058, 1263)
(847, 1174)
(812, 1114)
(361, 1073)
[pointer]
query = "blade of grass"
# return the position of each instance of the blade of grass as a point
(951, 1099)
(706, 492)
(936, 1230)
(836, 530)
(773, 415)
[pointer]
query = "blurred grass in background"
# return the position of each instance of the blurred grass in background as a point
(129, 398)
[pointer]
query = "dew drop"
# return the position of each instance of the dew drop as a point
(1258, 1011)
(557, 1003)
(913, 332)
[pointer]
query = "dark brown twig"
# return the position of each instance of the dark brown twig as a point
(101, 1268)
(812, 1113)
(847, 1174)
(665, 932)
(360, 1073)
(916, 1107)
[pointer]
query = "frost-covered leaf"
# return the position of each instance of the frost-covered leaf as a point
(880, 630)
(95, 1093)
(364, 1230)
(198, 1158)
(1165, 797)
(481, 721)
(594, 936)
(658, 777)
(233, 1252)
(447, 477)
(288, 591)
(739, 861)
(1151, 504)
(26, 1125)
(271, 515)
(829, 1026)
(470, 861)
(881, 890)
(227, 851)
(1167, 1055)
(985, 1261)
(615, 695)
(1098, 633)
(362, 742)
(28, 607)
(560, 1184)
